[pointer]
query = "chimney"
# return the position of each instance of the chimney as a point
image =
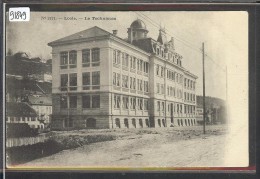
(114, 32)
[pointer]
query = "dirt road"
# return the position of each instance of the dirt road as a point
(144, 150)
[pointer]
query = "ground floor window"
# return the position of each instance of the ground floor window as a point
(117, 122)
(147, 122)
(134, 122)
(141, 122)
(126, 123)
(91, 123)
(159, 122)
(163, 122)
(68, 122)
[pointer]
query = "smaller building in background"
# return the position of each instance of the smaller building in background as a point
(20, 112)
(199, 115)
(42, 104)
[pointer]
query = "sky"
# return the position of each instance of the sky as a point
(225, 35)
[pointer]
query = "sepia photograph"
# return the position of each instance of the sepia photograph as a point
(122, 90)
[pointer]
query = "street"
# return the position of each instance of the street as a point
(146, 149)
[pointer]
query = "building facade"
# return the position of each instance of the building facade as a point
(42, 104)
(103, 81)
(19, 112)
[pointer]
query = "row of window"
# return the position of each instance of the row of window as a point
(130, 82)
(174, 76)
(133, 120)
(90, 57)
(187, 122)
(17, 119)
(175, 108)
(130, 60)
(160, 88)
(173, 57)
(43, 109)
(88, 101)
(189, 97)
(189, 84)
(128, 102)
(90, 80)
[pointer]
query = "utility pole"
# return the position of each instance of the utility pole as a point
(204, 106)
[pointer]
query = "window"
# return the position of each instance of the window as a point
(64, 82)
(139, 85)
(118, 79)
(163, 107)
(117, 101)
(132, 62)
(73, 59)
(86, 101)
(134, 122)
(162, 72)
(114, 79)
(157, 70)
(126, 123)
(96, 80)
(63, 60)
(124, 81)
(118, 57)
(133, 102)
(162, 88)
(132, 83)
(125, 102)
(73, 81)
(141, 65)
(96, 101)
(125, 59)
(146, 67)
(63, 102)
(140, 122)
(158, 105)
(73, 101)
(138, 64)
(140, 103)
(117, 123)
(114, 57)
(95, 57)
(146, 87)
(86, 58)
(146, 104)
(86, 80)
(158, 88)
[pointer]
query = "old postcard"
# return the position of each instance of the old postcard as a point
(126, 89)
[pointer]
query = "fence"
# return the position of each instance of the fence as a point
(15, 142)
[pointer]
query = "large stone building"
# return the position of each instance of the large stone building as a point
(103, 81)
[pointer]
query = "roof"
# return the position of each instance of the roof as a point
(19, 109)
(14, 84)
(138, 24)
(40, 100)
(88, 33)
